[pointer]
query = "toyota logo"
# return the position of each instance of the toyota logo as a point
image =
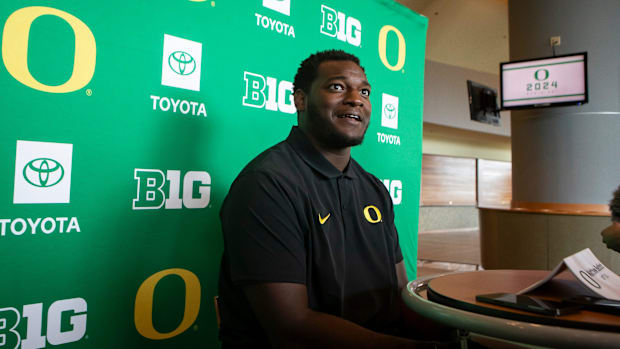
(181, 63)
(43, 172)
(389, 111)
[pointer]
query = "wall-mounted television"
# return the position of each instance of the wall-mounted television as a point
(482, 103)
(544, 82)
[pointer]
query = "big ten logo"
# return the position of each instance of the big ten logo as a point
(15, 42)
(143, 311)
(278, 95)
(344, 28)
(395, 187)
(152, 184)
(66, 323)
(401, 52)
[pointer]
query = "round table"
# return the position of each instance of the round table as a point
(449, 299)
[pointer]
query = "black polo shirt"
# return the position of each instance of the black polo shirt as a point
(291, 216)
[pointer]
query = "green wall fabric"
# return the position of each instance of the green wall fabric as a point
(124, 124)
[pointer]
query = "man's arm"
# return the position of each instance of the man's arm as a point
(282, 309)
(401, 275)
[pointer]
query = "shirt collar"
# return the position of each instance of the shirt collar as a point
(304, 148)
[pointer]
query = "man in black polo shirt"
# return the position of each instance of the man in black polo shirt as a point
(311, 256)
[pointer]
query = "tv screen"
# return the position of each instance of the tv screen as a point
(482, 103)
(544, 82)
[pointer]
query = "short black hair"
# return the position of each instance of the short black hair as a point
(307, 71)
(614, 206)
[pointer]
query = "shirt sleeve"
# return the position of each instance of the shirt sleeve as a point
(398, 254)
(262, 233)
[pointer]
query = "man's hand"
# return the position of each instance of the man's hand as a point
(611, 236)
(282, 310)
(401, 275)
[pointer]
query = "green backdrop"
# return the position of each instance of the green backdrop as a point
(124, 124)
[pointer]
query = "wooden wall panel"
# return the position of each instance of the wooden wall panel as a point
(494, 183)
(448, 181)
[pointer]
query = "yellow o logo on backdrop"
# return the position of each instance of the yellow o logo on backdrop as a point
(402, 48)
(367, 214)
(15, 49)
(143, 312)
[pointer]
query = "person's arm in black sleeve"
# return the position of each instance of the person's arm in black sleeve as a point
(282, 309)
(401, 272)
(263, 237)
(266, 244)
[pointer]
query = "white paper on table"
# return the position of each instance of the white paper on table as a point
(589, 271)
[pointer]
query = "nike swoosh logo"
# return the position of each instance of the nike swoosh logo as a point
(323, 220)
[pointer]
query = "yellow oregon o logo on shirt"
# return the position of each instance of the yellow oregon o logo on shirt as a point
(369, 217)
(143, 311)
(15, 49)
(402, 48)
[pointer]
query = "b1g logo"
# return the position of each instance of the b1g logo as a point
(181, 63)
(339, 25)
(42, 172)
(66, 323)
(389, 111)
(395, 187)
(282, 6)
(15, 42)
(151, 196)
(257, 97)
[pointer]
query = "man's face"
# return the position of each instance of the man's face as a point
(337, 108)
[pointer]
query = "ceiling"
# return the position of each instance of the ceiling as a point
(466, 33)
(416, 5)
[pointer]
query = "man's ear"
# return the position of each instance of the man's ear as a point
(300, 100)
